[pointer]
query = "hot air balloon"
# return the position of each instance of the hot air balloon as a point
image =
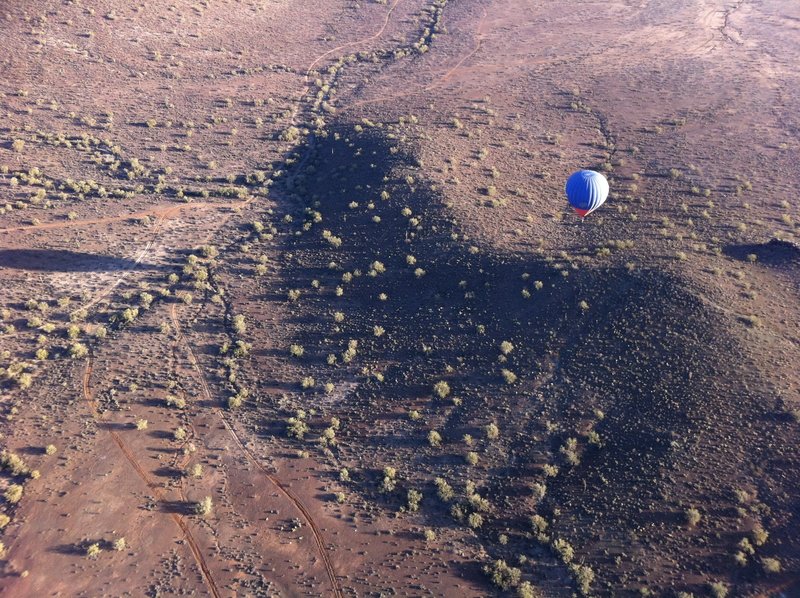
(586, 191)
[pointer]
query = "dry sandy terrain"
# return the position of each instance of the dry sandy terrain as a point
(293, 305)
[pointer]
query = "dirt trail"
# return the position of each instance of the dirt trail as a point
(162, 212)
(316, 531)
(443, 79)
(307, 78)
(179, 521)
(355, 43)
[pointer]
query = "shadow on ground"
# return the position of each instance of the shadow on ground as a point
(52, 260)
(628, 366)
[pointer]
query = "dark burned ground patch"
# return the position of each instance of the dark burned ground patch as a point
(680, 426)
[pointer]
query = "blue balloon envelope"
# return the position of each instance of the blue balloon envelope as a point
(586, 190)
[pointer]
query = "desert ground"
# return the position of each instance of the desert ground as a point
(292, 302)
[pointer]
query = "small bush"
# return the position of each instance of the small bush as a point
(475, 520)
(771, 565)
(526, 590)
(584, 576)
(751, 320)
(508, 376)
(13, 493)
(78, 351)
(389, 482)
(444, 490)
(502, 575)
(414, 497)
(718, 589)
(441, 389)
(238, 324)
(692, 516)
(539, 524)
(564, 550)
(297, 426)
(204, 507)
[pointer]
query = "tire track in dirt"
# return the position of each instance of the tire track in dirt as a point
(131, 458)
(293, 498)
